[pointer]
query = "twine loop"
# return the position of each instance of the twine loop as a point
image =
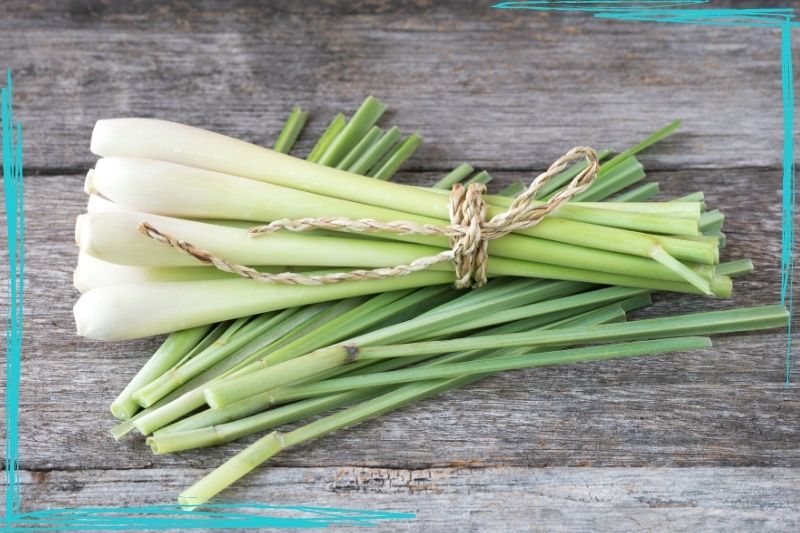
(468, 233)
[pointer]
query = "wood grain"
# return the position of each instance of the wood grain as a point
(469, 497)
(706, 440)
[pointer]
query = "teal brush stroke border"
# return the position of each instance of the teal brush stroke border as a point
(668, 11)
(162, 517)
(211, 516)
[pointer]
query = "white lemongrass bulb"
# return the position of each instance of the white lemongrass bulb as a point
(178, 143)
(114, 237)
(129, 311)
(91, 273)
(98, 204)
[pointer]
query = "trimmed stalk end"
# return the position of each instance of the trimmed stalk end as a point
(88, 185)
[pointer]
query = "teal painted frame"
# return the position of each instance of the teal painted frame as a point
(225, 516)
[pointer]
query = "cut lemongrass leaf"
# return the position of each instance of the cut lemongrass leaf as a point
(512, 190)
(456, 175)
(638, 194)
(481, 177)
(514, 362)
(262, 421)
(176, 346)
(711, 221)
(649, 141)
(363, 145)
(563, 178)
(620, 177)
(399, 156)
(679, 268)
(376, 151)
(291, 130)
(237, 388)
(737, 268)
(334, 128)
(363, 119)
(696, 196)
(264, 448)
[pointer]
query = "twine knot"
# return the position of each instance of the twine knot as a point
(469, 232)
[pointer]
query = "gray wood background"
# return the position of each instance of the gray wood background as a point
(701, 441)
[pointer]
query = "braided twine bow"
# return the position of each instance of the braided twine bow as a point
(469, 233)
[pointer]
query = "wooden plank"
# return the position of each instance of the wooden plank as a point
(725, 406)
(466, 498)
(506, 90)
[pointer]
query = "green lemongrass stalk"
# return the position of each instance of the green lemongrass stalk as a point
(291, 130)
(375, 152)
(454, 176)
(169, 353)
(468, 305)
(169, 142)
(143, 309)
(205, 428)
(385, 170)
(91, 273)
(114, 237)
(638, 194)
(561, 179)
(363, 145)
(334, 128)
(661, 134)
(217, 331)
(255, 404)
(481, 177)
(239, 387)
(613, 180)
(363, 119)
(498, 364)
(513, 190)
(264, 448)
(711, 221)
(268, 330)
(152, 186)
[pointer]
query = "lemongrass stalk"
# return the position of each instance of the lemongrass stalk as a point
(170, 142)
(239, 387)
(398, 157)
(613, 180)
(170, 352)
(91, 273)
(363, 145)
(189, 397)
(98, 204)
(217, 331)
(114, 237)
(499, 364)
(259, 402)
(638, 194)
(512, 190)
(291, 130)
(561, 179)
(211, 427)
(153, 186)
(142, 309)
(696, 196)
(659, 135)
(454, 176)
(334, 128)
(264, 448)
(711, 221)
(481, 177)
(363, 119)
(310, 338)
(375, 152)
(261, 331)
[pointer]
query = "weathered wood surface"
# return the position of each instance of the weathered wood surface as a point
(466, 498)
(509, 91)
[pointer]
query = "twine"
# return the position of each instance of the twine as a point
(468, 233)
